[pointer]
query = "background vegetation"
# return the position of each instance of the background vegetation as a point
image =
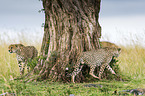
(131, 63)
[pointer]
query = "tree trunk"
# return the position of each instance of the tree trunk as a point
(71, 26)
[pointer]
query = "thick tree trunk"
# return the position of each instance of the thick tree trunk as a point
(71, 26)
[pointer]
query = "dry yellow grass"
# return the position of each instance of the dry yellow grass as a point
(8, 63)
(131, 61)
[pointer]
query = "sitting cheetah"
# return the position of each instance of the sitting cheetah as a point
(100, 57)
(23, 53)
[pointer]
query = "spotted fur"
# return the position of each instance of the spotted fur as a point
(100, 57)
(23, 53)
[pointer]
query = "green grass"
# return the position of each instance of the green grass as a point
(131, 63)
(59, 89)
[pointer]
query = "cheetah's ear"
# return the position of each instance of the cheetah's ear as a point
(21, 45)
(119, 49)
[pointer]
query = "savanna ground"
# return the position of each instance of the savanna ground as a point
(131, 63)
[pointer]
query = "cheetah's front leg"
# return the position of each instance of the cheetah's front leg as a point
(110, 69)
(23, 68)
(20, 66)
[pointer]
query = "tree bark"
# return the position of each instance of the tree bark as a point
(71, 26)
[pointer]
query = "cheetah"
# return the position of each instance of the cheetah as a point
(23, 53)
(104, 44)
(100, 57)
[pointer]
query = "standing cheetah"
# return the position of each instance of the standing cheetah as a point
(23, 53)
(100, 57)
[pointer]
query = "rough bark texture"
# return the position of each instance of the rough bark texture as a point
(71, 26)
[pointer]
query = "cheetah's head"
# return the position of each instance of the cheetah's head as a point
(13, 48)
(116, 52)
